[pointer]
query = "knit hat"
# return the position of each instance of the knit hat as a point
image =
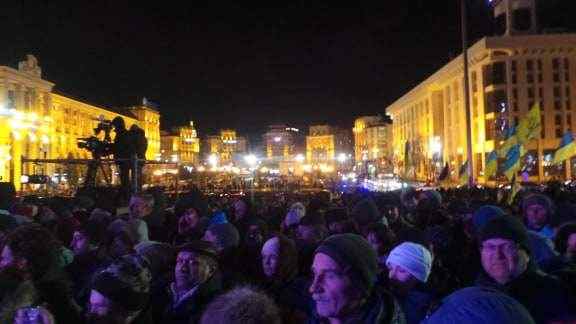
(485, 214)
(226, 235)
(366, 212)
(538, 199)
(126, 282)
(476, 305)
(193, 199)
(354, 254)
(414, 258)
(505, 228)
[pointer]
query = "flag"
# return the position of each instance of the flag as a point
(491, 165)
(530, 126)
(514, 189)
(510, 139)
(512, 163)
(463, 175)
(445, 172)
(566, 150)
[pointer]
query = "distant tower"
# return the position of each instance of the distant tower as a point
(515, 17)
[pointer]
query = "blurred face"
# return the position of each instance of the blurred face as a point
(188, 221)
(210, 237)
(255, 235)
(240, 209)
(80, 243)
(502, 259)
(332, 290)
(191, 270)
(571, 246)
(271, 257)
(99, 304)
(138, 207)
(307, 234)
(536, 216)
(6, 258)
(400, 279)
(337, 227)
(375, 242)
(120, 247)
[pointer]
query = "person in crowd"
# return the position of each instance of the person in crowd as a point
(121, 293)
(365, 212)
(311, 229)
(281, 282)
(475, 305)
(196, 282)
(382, 240)
(537, 210)
(242, 305)
(191, 211)
(293, 216)
(565, 242)
(31, 252)
(339, 222)
(226, 240)
(507, 266)
(409, 265)
(343, 286)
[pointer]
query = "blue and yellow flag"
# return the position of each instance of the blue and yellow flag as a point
(530, 126)
(566, 150)
(463, 175)
(512, 163)
(510, 139)
(491, 165)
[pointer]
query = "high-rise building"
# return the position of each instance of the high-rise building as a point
(279, 141)
(508, 75)
(372, 141)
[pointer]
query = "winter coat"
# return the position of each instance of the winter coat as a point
(416, 303)
(380, 308)
(190, 310)
(543, 295)
(292, 298)
(15, 294)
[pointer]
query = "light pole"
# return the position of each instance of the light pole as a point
(464, 28)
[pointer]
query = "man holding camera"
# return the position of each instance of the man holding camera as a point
(128, 143)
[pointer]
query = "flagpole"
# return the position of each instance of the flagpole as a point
(464, 29)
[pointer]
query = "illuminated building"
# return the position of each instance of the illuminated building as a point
(372, 142)
(508, 75)
(37, 123)
(328, 148)
(181, 145)
(228, 147)
(280, 142)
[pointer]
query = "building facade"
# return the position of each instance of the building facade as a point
(225, 148)
(181, 145)
(37, 123)
(373, 143)
(280, 142)
(508, 75)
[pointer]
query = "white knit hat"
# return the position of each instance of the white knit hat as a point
(414, 258)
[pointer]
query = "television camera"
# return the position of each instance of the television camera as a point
(98, 147)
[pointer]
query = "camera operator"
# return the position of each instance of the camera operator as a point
(123, 149)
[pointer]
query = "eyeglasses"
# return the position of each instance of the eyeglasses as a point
(506, 248)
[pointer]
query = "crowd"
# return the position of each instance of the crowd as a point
(411, 256)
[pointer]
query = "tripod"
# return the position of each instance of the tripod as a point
(93, 167)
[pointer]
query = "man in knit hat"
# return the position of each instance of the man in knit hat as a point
(409, 265)
(343, 287)
(537, 210)
(506, 261)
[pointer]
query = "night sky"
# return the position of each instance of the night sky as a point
(223, 64)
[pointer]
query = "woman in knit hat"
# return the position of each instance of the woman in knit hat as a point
(409, 266)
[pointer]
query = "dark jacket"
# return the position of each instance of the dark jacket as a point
(380, 308)
(190, 310)
(292, 298)
(543, 295)
(416, 303)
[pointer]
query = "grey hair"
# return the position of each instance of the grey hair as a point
(242, 305)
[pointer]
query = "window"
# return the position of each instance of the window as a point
(540, 78)
(567, 92)
(568, 104)
(499, 73)
(540, 92)
(555, 63)
(558, 133)
(556, 77)
(557, 105)
(530, 78)
(530, 93)
(566, 63)
(515, 93)
(522, 19)
(515, 106)
(514, 79)
(496, 101)
(540, 65)
(567, 76)
(514, 66)
(558, 120)
(530, 65)
(569, 120)
(557, 92)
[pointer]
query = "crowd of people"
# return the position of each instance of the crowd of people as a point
(409, 256)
